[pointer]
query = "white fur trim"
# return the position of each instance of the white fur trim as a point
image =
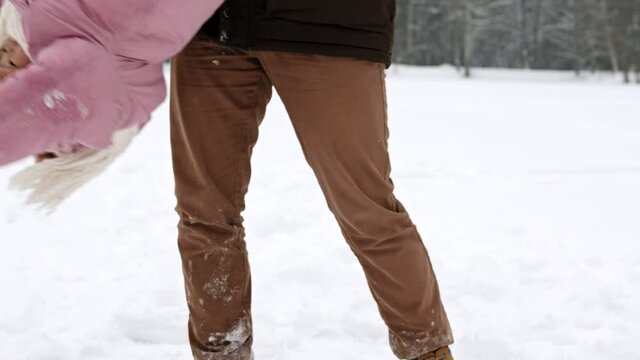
(51, 181)
(11, 26)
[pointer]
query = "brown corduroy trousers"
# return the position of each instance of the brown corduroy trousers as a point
(338, 109)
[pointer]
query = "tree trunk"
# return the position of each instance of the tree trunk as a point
(613, 54)
(537, 29)
(577, 46)
(456, 21)
(411, 23)
(468, 38)
(524, 38)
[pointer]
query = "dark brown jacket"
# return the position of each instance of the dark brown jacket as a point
(352, 28)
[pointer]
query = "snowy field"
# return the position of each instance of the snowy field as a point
(524, 185)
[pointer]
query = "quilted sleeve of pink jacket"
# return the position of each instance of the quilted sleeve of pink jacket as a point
(97, 68)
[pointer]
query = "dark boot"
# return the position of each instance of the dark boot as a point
(441, 354)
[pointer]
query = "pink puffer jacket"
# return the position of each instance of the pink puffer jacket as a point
(97, 68)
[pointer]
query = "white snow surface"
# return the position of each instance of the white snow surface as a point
(525, 186)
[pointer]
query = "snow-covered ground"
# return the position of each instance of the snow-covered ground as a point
(525, 186)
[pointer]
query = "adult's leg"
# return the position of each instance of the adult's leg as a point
(338, 109)
(218, 99)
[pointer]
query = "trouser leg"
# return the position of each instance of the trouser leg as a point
(338, 109)
(218, 99)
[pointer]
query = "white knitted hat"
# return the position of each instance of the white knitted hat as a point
(11, 26)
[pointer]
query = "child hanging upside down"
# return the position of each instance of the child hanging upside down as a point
(79, 79)
(51, 181)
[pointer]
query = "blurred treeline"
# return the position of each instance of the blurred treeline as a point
(580, 35)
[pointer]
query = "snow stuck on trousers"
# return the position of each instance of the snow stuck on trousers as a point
(525, 187)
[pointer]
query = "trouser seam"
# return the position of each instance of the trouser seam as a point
(385, 120)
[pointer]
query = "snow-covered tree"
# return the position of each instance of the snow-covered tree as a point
(582, 35)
